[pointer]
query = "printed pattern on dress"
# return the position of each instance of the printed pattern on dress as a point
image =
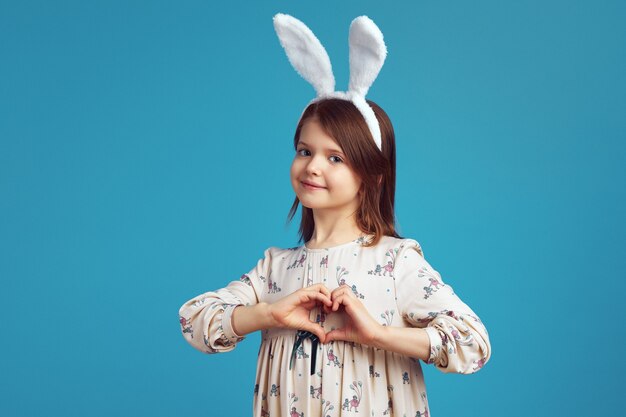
(424, 413)
(316, 392)
(272, 287)
(186, 326)
(387, 315)
(298, 262)
(332, 358)
(293, 411)
(341, 272)
(389, 409)
(349, 404)
(327, 407)
(434, 283)
(309, 279)
(405, 378)
(343, 390)
(387, 268)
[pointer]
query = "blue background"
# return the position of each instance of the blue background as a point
(144, 157)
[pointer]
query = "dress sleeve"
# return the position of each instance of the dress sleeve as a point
(205, 320)
(459, 341)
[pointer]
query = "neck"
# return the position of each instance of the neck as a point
(332, 228)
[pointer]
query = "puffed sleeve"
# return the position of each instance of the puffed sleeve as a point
(205, 320)
(459, 341)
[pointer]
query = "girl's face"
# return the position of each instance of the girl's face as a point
(320, 175)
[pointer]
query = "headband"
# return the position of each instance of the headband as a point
(311, 61)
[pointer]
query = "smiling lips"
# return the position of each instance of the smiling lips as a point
(312, 186)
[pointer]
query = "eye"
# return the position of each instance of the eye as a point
(336, 159)
(303, 152)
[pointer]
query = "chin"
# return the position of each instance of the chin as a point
(310, 204)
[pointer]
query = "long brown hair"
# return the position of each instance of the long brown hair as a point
(342, 121)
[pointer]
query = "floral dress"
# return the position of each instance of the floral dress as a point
(301, 378)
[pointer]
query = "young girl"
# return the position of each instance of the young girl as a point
(346, 316)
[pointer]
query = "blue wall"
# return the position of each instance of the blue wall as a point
(144, 156)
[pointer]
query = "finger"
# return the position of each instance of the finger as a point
(349, 293)
(340, 288)
(337, 334)
(316, 329)
(311, 294)
(345, 300)
(337, 301)
(317, 296)
(324, 290)
(328, 308)
(323, 298)
(344, 289)
(319, 288)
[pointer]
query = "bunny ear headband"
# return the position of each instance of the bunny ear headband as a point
(310, 60)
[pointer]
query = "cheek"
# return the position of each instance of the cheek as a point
(357, 187)
(293, 173)
(293, 169)
(354, 181)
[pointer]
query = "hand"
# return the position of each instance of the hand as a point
(360, 326)
(293, 310)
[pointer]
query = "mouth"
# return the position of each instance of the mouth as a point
(310, 186)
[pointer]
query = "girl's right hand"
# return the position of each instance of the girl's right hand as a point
(293, 311)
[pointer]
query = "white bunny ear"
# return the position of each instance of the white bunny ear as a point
(367, 54)
(305, 52)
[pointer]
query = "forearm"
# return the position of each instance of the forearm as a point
(408, 341)
(248, 319)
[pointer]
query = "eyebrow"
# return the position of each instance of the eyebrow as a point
(301, 142)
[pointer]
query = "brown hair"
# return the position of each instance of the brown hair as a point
(342, 121)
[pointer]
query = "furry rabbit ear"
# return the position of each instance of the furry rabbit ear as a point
(306, 53)
(367, 54)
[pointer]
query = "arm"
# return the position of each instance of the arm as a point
(407, 341)
(206, 319)
(291, 311)
(445, 331)
(362, 328)
(248, 319)
(458, 340)
(216, 321)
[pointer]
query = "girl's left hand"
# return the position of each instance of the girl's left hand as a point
(360, 327)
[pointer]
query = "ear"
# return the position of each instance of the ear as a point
(305, 52)
(361, 188)
(367, 54)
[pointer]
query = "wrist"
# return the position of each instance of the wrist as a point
(266, 314)
(408, 341)
(248, 319)
(380, 336)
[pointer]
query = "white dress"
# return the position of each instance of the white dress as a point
(398, 288)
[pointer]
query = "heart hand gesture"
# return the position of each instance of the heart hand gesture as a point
(293, 310)
(360, 326)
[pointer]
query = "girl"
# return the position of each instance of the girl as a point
(345, 317)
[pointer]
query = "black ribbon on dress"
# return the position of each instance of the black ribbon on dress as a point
(300, 336)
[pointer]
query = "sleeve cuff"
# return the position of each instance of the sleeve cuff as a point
(227, 325)
(435, 344)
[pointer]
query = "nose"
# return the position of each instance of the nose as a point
(313, 167)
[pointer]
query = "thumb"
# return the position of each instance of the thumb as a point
(336, 334)
(317, 330)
